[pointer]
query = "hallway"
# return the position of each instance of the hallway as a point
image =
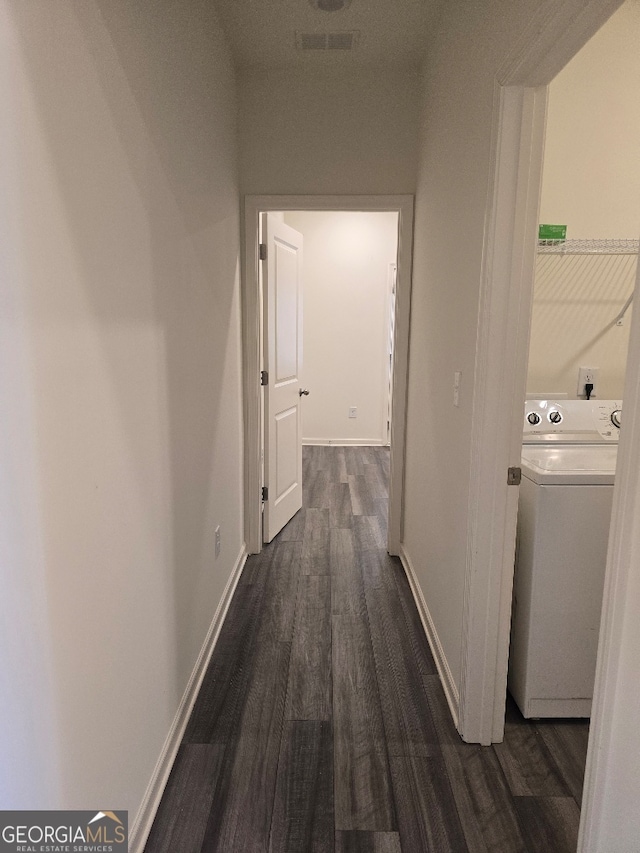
(321, 724)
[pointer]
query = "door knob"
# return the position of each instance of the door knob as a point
(303, 392)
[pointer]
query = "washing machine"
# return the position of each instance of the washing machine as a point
(568, 468)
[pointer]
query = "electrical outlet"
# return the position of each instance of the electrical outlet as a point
(353, 412)
(587, 376)
(218, 541)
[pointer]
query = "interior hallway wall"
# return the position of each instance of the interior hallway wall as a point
(346, 299)
(591, 183)
(120, 378)
(323, 130)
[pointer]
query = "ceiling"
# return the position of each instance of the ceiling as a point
(266, 33)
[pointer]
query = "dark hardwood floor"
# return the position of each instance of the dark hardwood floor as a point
(321, 724)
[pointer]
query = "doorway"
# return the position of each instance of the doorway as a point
(255, 206)
(510, 244)
(584, 282)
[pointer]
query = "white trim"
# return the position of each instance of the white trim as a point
(442, 665)
(556, 33)
(499, 389)
(146, 813)
(344, 442)
(623, 559)
(253, 207)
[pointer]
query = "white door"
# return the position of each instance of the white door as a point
(282, 315)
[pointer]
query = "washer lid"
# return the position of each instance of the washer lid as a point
(570, 465)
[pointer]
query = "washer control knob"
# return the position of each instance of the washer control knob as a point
(555, 417)
(616, 418)
(533, 418)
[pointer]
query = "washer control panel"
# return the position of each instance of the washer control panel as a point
(572, 421)
(608, 415)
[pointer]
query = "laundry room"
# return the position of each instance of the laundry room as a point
(585, 275)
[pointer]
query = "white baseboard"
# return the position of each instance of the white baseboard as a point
(146, 813)
(345, 442)
(449, 685)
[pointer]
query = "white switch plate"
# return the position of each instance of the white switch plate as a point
(353, 412)
(456, 387)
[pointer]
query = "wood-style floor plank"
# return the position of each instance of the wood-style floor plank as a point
(316, 493)
(338, 467)
(549, 823)
(409, 729)
(526, 762)
(362, 782)
(315, 543)
(363, 502)
(340, 505)
(279, 599)
(357, 841)
(485, 807)
(427, 814)
(353, 458)
(413, 625)
(182, 820)
(347, 590)
(376, 481)
(309, 689)
(241, 813)
(369, 532)
(224, 687)
(294, 530)
(567, 742)
(303, 809)
(484, 803)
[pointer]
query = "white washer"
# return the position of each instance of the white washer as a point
(568, 468)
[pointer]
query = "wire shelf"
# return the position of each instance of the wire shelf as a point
(588, 247)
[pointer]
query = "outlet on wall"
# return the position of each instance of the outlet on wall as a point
(353, 412)
(218, 541)
(587, 375)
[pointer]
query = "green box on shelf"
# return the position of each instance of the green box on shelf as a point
(552, 232)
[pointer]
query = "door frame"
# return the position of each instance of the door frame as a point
(556, 33)
(254, 206)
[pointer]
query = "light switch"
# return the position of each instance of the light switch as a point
(456, 387)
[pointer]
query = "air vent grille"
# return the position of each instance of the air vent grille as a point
(327, 41)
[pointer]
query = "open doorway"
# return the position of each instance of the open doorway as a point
(347, 316)
(295, 207)
(503, 349)
(581, 311)
(329, 278)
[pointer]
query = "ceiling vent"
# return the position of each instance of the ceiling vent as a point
(330, 5)
(327, 41)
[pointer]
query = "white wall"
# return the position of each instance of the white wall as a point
(591, 176)
(120, 435)
(453, 183)
(346, 323)
(591, 183)
(327, 131)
